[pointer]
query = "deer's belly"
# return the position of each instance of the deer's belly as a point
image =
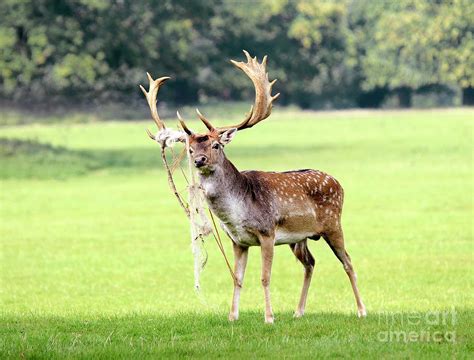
(283, 236)
(297, 226)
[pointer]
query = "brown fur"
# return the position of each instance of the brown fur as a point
(265, 209)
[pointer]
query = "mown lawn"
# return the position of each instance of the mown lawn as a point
(96, 262)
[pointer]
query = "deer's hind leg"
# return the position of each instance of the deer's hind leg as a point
(335, 240)
(303, 254)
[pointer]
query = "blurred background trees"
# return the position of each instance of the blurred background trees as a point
(326, 54)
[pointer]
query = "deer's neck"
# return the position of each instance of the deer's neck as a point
(224, 184)
(240, 202)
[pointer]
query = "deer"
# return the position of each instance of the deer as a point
(262, 208)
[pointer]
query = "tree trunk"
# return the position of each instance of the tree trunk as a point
(372, 99)
(468, 96)
(404, 97)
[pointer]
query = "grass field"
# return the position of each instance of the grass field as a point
(96, 260)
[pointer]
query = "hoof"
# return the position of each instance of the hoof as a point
(362, 313)
(233, 317)
(298, 314)
(269, 320)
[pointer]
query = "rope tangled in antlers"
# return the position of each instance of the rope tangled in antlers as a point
(194, 208)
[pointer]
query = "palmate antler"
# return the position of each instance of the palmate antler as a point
(166, 136)
(261, 109)
(263, 95)
(151, 97)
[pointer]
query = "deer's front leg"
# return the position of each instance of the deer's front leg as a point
(267, 245)
(240, 262)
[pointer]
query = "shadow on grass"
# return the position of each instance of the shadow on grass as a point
(210, 335)
(32, 159)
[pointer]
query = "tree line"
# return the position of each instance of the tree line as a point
(325, 53)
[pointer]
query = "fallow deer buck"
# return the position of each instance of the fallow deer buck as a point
(259, 208)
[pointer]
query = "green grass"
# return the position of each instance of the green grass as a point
(96, 262)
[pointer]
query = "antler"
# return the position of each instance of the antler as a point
(263, 94)
(151, 95)
(183, 124)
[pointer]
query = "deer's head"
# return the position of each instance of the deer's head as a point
(206, 150)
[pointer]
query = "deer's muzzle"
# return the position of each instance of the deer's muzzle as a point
(200, 161)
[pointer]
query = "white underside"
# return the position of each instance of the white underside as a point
(282, 237)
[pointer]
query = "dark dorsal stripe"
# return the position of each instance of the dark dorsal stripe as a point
(296, 171)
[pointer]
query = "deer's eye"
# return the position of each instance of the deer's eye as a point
(191, 150)
(215, 146)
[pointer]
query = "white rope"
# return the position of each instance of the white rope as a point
(200, 225)
(169, 137)
(198, 220)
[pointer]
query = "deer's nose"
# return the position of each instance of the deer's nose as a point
(200, 161)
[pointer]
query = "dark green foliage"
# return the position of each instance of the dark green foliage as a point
(411, 44)
(325, 53)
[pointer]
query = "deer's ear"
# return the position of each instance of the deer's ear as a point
(227, 136)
